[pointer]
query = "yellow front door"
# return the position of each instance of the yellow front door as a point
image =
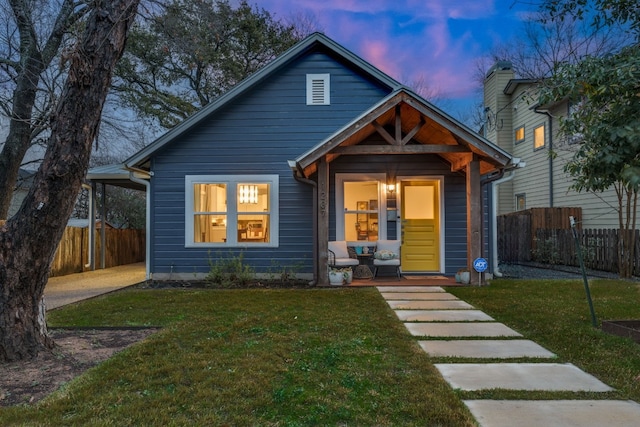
(420, 219)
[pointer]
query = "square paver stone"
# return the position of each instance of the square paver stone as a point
(494, 349)
(418, 296)
(429, 305)
(520, 376)
(410, 289)
(566, 413)
(461, 329)
(443, 316)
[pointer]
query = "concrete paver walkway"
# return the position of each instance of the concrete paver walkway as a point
(442, 319)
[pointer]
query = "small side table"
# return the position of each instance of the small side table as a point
(363, 271)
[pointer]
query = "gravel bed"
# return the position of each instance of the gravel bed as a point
(547, 271)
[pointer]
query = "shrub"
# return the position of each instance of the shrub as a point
(229, 272)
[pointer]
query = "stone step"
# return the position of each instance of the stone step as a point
(429, 305)
(443, 316)
(520, 376)
(489, 349)
(411, 296)
(568, 413)
(461, 329)
(410, 289)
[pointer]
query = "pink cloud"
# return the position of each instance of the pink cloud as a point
(411, 39)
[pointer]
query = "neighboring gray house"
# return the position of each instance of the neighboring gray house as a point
(319, 145)
(529, 131)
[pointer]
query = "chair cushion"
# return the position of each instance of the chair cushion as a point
(381, 262)
(385, 254)
(345, 262)
(339, 248)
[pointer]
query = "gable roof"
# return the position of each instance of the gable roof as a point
(314, 42)
(419, 127)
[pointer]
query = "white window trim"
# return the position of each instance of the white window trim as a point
(231, 181)
(340, 179)
(326, 82)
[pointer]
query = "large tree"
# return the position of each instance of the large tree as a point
(33, 34)
(29, 239)
(192, 51)
(604, 92)
(597, 12)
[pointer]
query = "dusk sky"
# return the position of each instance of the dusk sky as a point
(436, 40)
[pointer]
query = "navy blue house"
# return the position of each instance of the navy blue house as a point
(317, 146)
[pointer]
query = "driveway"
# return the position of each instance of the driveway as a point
(71, 288)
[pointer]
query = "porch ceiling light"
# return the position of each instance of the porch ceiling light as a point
(248, 194)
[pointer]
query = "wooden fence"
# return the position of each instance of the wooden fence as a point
(122, 247)
(516, 230)
(599, 248)
(544, 235)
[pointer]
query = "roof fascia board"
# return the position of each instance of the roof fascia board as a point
(294, 52)
(513, 84)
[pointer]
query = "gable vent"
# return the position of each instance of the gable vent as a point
(318, 89)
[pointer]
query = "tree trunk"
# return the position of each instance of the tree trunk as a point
(28, 240)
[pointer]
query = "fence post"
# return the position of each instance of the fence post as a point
(594, 322)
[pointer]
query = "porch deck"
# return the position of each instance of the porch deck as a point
(425, 280)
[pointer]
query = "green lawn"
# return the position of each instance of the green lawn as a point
(248, 358)
(319, 357)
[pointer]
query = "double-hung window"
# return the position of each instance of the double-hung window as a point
(229, 210)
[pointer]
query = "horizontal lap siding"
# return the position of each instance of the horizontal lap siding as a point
(255, 134)
(455, 205)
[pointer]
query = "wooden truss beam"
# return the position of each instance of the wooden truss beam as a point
(401, 149)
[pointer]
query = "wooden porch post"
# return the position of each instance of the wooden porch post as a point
(323, 221)
(474, 217)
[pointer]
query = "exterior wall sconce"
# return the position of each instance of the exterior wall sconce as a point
(248, 194)
(390, 188)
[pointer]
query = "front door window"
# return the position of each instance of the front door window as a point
(359, 204)
(361, 210)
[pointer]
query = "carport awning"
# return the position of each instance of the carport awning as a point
(115, 175)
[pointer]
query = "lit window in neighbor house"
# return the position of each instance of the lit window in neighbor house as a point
(521, 202)
(539, 137)
(519, 134)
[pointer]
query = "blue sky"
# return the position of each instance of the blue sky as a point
(438, 41)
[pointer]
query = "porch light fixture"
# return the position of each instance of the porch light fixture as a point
(390, 188)
(248, 194)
